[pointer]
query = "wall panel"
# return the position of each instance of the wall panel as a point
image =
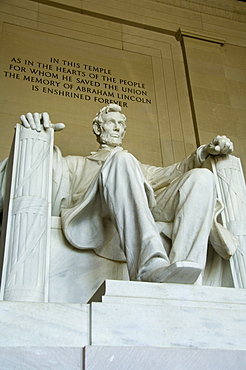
(58, 38)
(137, 43)
(217, 76)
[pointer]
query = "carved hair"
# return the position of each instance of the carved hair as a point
(98, 120)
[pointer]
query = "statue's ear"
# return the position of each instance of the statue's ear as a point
(96, 128)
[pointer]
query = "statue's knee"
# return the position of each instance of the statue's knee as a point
(203, 179)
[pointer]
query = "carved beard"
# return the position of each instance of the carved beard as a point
(106, 138)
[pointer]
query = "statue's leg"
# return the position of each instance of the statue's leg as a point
(188, 203)
(122, 188)
(124, 197)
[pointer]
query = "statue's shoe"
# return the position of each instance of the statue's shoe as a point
(183, 272)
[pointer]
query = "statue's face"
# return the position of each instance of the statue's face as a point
(112, 129)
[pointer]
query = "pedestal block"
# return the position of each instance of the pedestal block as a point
(128, 325)
(156, 358)
(43, 325)
(168, 315)
(40, 358)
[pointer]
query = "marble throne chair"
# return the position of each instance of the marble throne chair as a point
(39, 265)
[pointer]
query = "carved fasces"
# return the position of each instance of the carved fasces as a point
(232, 191)
(26, 259)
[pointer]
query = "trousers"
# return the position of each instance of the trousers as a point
(186, 205)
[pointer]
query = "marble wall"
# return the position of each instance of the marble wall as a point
(186, 88)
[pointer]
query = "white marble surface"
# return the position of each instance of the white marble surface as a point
(43, 324)
(146, 358)
(231, 190)
(76, 274)
(116, 358)
(27, 225)
(136, 314)
(30, 358)
(113, 291)
(168, 326)
(169, 315)
(111, 204)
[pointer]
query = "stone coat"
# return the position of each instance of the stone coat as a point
(76, 196)
(76, 199)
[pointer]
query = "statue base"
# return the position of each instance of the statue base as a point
(116, 358)
(128, 325)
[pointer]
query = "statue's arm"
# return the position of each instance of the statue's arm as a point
(160, 177)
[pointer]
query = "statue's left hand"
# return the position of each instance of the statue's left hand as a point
(219, 145)
(36, 120)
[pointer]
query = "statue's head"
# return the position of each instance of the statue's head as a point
(109, 125)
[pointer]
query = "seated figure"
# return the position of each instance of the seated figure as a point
(117, 206)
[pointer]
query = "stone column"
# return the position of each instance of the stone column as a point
(27, 220)
(232, 191)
